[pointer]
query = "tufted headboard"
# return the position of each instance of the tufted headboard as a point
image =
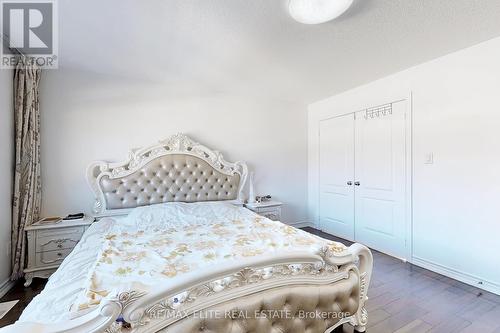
(177, 169)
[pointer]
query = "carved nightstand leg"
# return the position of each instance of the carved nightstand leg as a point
(29, 278)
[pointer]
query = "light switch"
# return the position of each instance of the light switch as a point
(429, 158)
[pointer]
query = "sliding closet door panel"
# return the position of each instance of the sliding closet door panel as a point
(336, 173)
(380, 178)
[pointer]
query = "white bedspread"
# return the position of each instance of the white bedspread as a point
(157, 245)
(62, 289)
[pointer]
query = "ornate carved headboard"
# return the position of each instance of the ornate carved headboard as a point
(177, 169)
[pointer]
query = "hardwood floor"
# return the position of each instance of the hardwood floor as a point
(403, 299)
(24, 295)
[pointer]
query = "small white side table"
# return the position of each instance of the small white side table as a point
(49, 244)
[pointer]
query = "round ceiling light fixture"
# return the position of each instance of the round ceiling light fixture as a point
(317, 11)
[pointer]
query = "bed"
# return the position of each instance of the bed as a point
(174, 250)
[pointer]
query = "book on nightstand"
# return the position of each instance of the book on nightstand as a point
(49, 220)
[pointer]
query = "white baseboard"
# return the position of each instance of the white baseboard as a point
(302, 224)
(457, 275)
(6, 286)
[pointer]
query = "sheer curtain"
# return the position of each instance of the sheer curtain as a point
(27, 183)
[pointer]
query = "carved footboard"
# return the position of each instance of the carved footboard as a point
(285, 309)
(298, 292)
(319, 292)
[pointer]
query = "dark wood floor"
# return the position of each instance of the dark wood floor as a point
(403, 299)
(24, 295)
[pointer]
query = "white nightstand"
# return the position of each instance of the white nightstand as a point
(49, 244)
(269, 209)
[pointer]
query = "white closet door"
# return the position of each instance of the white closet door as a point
(336, 173)
(380, 179)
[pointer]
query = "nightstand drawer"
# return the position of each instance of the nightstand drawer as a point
(272, 215)
(268, 209)
(58, 242)
(51, 257)
(57, 233)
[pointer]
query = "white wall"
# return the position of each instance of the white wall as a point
(6, 170)
(456, 116)
(87, 117)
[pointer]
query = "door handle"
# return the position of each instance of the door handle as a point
(357, 183)
(349, 183)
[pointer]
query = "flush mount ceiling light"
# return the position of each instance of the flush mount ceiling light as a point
(317, 11)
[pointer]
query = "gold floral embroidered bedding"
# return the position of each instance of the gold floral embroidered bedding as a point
(162, 244)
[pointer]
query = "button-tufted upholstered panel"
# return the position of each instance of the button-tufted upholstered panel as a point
(176, 177)
(342, 296)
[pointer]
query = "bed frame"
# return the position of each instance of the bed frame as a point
(334, 280)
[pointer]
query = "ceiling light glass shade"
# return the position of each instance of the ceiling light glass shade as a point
(317, 11)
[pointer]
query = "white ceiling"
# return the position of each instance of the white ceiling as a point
(253, 47)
